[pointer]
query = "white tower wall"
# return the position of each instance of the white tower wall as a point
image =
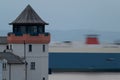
(37, 55)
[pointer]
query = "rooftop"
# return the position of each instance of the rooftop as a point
(3, 40)
(28, 16)
(11, 58)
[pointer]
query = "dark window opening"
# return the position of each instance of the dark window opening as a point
(43, 48)
(30, 48)
(17, 30)
(7, 47)
(43, 78)
(32, 30)
(4, 66)
(23, 29)
(32, 66)
(41, 29)
(10, 47)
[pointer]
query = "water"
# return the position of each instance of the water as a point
(85, 76)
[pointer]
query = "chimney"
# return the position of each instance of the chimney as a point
(92, 39)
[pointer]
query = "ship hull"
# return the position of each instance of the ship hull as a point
(83, 61)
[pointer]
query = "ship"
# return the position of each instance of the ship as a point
(90, 55)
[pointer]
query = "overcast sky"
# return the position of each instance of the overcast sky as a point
(103, 15)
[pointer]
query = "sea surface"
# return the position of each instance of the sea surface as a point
(85, 76)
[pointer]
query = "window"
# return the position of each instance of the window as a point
(40, 29)
(43, 48)
(10, 47)
(4, 66)
(23, 29)
(7, 47)
(30, 48)
(43, 78)
(32, 66)
(17, 30)
(34, 29)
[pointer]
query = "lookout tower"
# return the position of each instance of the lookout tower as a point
(28, 27)
(29, 40)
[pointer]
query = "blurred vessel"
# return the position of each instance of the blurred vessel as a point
(88, 56)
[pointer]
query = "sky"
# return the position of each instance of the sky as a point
(101, 15)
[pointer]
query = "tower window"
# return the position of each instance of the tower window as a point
(43, 78)
(40, 29)
(7, 47)
(43, 48)
(35, 29)
(17, 30)
(32, 66)
(23, 29)
(10, 47)
(30, 48)
(32, 30)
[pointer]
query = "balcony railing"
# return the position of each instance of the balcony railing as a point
(42, 38)
(32, 34)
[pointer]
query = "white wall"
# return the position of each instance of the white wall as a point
(18, 49)
(41, 69)
(14, 72)
(17, 72)
(36, 55)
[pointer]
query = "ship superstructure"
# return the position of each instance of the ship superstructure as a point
(90, 55)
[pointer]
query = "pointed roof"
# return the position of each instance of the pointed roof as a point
(29, 16)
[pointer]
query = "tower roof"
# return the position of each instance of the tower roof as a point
(28, 16)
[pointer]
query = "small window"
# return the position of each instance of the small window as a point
(30, 48)
(43, 48)
(43, 78)
(34, 29)
(4, 66)
(41, 29)
(10, 47)
(7, 47)
(32, 66)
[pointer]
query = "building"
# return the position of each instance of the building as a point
(25, 51)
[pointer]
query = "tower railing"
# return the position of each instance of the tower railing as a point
(42, 38)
